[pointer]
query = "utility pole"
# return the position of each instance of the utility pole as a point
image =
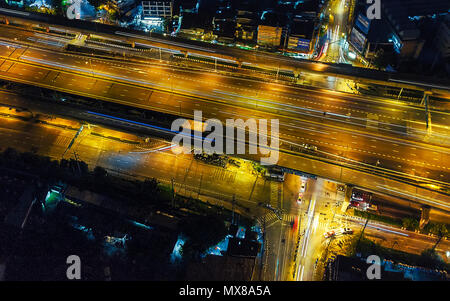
(232, 212)
(200, 186)
(362, 232)
(76, 160)
(263, 249)
(439, 240)
(326, 250)
(173, 193)
(400, 93)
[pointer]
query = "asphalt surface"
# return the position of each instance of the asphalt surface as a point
(106, 80)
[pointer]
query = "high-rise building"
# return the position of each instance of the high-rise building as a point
(269, 35)
(399, 25)
(157, 9)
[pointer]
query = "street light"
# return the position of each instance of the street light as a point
(90, 65)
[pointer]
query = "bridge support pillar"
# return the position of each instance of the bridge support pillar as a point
(348, 196)
(424, 216)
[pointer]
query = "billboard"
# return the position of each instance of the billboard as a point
(303, 44)
(357, 40)
(299, 44)
(363, 23)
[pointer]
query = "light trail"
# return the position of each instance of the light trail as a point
(386, 230)
(434, 202)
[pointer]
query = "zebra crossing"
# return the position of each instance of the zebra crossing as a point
(223, 175)
(62, 140)
(271, 218)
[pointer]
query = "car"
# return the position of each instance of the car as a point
(234, 162)
(341, 188)
(329, 234)
(300, 197)
(343, 231)
(303, 186)
(347, 231)
(275, 173)
(354, 203)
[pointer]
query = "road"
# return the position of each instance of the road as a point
(324, 214)
(127, 153)
(78, 78)
(338, 10)
(367, 146)
(381, 135)
(253, 58)
(131, 155)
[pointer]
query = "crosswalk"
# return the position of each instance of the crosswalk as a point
(62, 140)
(223, 175)
(287, 218)
(267, 219)
(271, 218)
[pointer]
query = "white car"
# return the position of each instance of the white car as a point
(300, 198)
(303, 185)
(329, 234)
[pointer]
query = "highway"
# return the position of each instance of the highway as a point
(129, 154)
(132, 155)
(378, 144)
(323, 214)
(343, 121)
(255, 58)
(336, 32)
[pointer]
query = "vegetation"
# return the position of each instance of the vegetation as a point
(202, 232)
(383, 59)
(381, 218)
(410, 223)
(439, 229)
(428, 259)
(97, 3)
(146, 195)
(57, 6)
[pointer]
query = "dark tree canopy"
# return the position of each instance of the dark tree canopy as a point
(202, 232)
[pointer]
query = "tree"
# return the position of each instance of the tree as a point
(57, 6)
(100, 172)
(410, 223)
(201, 232)
(149, 187)
(383, 58)
(441, 231)
(97, 3)
(431, 259)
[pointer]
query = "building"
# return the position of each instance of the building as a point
(270, 29)
(246, 26)
(188, 26)
(301, 34)
(221, 268)
(398, 26)
(344, 268)
(224, 24)
(152, 10)
(269, 35)
(442, 40)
